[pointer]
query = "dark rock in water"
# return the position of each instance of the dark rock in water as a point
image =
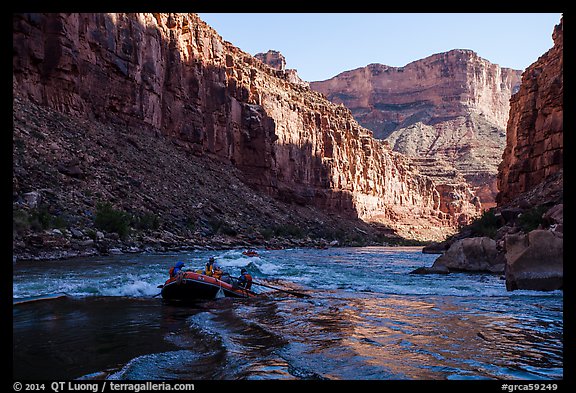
(483, 337)
(431, 270)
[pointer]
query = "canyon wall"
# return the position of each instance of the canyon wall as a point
(173, 74)
(534, 135)
(438, 88)
(447, 111)
(525, 234)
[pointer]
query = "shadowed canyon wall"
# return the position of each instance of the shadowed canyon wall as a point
(173, 74)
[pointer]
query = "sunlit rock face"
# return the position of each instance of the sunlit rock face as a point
(272, 58)
(534, 141)
(174, 74)
(531, 172)
(448, 111)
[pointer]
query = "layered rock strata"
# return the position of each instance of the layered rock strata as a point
(528, 222)
(534, 135)
(531, 172)
(172, 74)
(450, 108)
(272, 58)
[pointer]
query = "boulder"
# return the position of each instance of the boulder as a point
(554, 215)
(32, 199)
(476, 254)
(534, 260)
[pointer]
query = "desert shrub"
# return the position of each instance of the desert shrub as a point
(20, 221)
(283, 231)
(147, 221)
(531, 219)
(110, 219)
(289, 230)
(219, 226)
(36, 219)
(485, 225)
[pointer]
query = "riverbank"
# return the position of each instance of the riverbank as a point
(81, 188)
(55, 244)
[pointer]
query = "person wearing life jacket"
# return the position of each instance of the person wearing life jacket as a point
(213, 269)
(177, 268)
(209, 269)
(245, 279)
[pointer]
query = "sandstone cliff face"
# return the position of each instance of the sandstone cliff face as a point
(272, 58)
(451, 107)
(534, 139)
(277, 61)
(173, 74)
(527, 225)
(438, 88)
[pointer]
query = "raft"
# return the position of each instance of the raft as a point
(250, 253)
(191, 286)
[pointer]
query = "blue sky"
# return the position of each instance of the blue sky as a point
(322, 45)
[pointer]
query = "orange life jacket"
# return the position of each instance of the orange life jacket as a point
(248, 279)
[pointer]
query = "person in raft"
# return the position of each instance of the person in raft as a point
(213, 269)
(245, 279)
(177, 268)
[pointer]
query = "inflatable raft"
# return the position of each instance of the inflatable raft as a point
(250, 253)
(190, 286)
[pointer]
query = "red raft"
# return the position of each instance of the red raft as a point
(250, 253)
(190, 286)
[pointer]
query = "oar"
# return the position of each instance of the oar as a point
(297, 294)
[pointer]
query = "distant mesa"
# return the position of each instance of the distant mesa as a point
(448, 111)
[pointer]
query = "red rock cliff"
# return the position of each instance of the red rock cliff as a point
(431, 90)
(450, 107)
(175, 74)
(534, 140)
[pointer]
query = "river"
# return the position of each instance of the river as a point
(366, 318)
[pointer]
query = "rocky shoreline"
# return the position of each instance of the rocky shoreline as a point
(523, 236)
(58, 244)
(522, 241)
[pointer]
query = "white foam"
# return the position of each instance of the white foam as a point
(132, 289)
